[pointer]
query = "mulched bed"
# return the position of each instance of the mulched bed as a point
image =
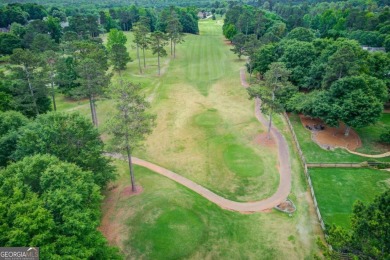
(127, 191)
(287, 207)
(331, 137)
(262, 140)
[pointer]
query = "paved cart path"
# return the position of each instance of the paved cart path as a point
(256, 206)
(383, 155)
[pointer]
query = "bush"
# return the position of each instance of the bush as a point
(385, 137)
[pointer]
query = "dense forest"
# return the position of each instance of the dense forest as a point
(329, 74)
(118, 3)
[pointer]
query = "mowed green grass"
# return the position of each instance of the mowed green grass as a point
(315, 154)
(200, 86)
(206, 132)
(205, 121)
(370, 136)
(169, 221)
(337, 189)
(206, 62)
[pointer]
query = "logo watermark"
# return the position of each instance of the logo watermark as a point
(19, 253)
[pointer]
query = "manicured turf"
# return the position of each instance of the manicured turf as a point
(243, 161)
(175, 233)
(168, 221)
(204, 121)
(315, 154)
(203, 112)
(205, 59)
(226, 152)
(370, 136)
(337, 189)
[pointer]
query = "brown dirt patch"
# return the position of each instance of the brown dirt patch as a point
(262, 140)
(286, 206)
(112, 224)
(227, 42)
(331, 137)
(127, 191)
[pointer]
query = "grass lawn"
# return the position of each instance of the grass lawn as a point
(370, 136)
(206, 128)
(66, 104)
(337, 189)
(205, 131)
(205, 120)
(168, 221)
(315, 154)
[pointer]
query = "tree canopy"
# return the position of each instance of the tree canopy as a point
(54, 205)
(368, 237)
(69, 137)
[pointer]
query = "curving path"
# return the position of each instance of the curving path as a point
(257, 206)
(370, 155)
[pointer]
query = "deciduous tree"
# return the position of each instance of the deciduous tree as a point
(359, 100)
(239, 44)
(10, 123)
(54, 205)
(369, 235)
(42, 43)
(347, 60)
(263, 57)
(301, 34)
(251, 45)
(9, 42)
(298, 56)
(115, 37)
(54, 28)
(71, 138)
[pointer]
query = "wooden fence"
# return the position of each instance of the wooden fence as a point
(334, 165)
(307, 174)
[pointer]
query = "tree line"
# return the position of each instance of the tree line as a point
(50, 190)
(73, 60)
(88, 4)
(368, 23)
(330, 78)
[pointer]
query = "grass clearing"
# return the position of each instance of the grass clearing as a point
(169, 221)
(184, 140)
(202, 112)
(315, 154)
(337, 189)
(65, 104)
(370, 136)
